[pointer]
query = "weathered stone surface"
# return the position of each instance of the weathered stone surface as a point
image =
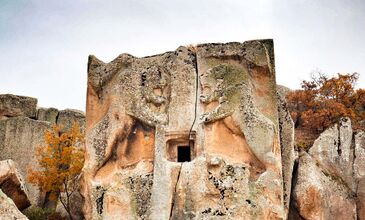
(333, 150)
(286, 126)
(13, 105)
(142, 113)
(283, 90)
(120, 131)
(8, 210)
(321, 195)
(19, 137)
(12, 184)
(232, 193)
(359, 173)
(69, 116)
(47, 114)
(332, 177)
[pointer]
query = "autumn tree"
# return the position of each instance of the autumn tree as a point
(60, 162)
(322, 101)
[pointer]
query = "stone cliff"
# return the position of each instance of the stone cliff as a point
(188, 134)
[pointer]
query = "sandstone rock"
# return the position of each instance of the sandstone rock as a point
(231, 192)
(321, 195)
(286, 126)
(333, 150)
(47, 114)
(8, 210)
(147, 151)
(13, 105)
(12, 184)
(359, 173)
(283, 90)
(19, 137)
(69, 116)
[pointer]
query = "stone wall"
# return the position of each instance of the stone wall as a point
(22, 128)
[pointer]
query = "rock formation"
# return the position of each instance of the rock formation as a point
(188, 134)
(288, 154)
(198, 133)
(8, 210)
(22, 128)
(12, 106)
(13, 193)
(12, 184)
(329, 183)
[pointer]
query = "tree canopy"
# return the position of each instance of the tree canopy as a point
(60, 162)
(322, 101)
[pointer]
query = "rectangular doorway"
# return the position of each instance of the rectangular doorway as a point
(183, 154)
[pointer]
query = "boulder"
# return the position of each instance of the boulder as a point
(13, 105)
(12, 184)
(8, 210)
(283, 90)
(19, 137)
(69, 116)
(47, 114)
(333, 150)
(319, 194)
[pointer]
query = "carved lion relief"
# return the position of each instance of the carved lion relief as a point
(230, 86)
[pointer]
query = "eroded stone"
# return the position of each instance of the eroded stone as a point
(14, 105)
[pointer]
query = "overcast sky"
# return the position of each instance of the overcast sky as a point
(44, 45)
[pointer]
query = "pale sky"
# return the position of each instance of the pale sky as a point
(45, 44)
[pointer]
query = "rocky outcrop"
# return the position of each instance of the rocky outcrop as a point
(19, 137)
(47, 114)
(288, 156)
(187, 134)
(8, 210)
(67, 117)
(12, 184)
(13, 192)
(334, 151)
(12, 106)
(359, 173)
(329, 181)
(322, 195)
(22, 131)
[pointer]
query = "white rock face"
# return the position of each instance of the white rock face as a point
(333, 150)
(359, 171)
(13, 185)
(8, 210)
(319, 195)
(330, 181)
(288, 156)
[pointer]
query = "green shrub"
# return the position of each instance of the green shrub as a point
(37, 213)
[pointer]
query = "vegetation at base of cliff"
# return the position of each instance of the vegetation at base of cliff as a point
(321, 102)
(60, 162)
(38, 213)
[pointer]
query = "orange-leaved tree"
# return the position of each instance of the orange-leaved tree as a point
(322, 101)
(60, 162)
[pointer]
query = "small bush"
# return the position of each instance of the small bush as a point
(37, 213)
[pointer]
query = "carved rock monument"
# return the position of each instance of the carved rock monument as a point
(188, 134)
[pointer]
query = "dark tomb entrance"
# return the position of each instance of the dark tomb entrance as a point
(183, 154)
